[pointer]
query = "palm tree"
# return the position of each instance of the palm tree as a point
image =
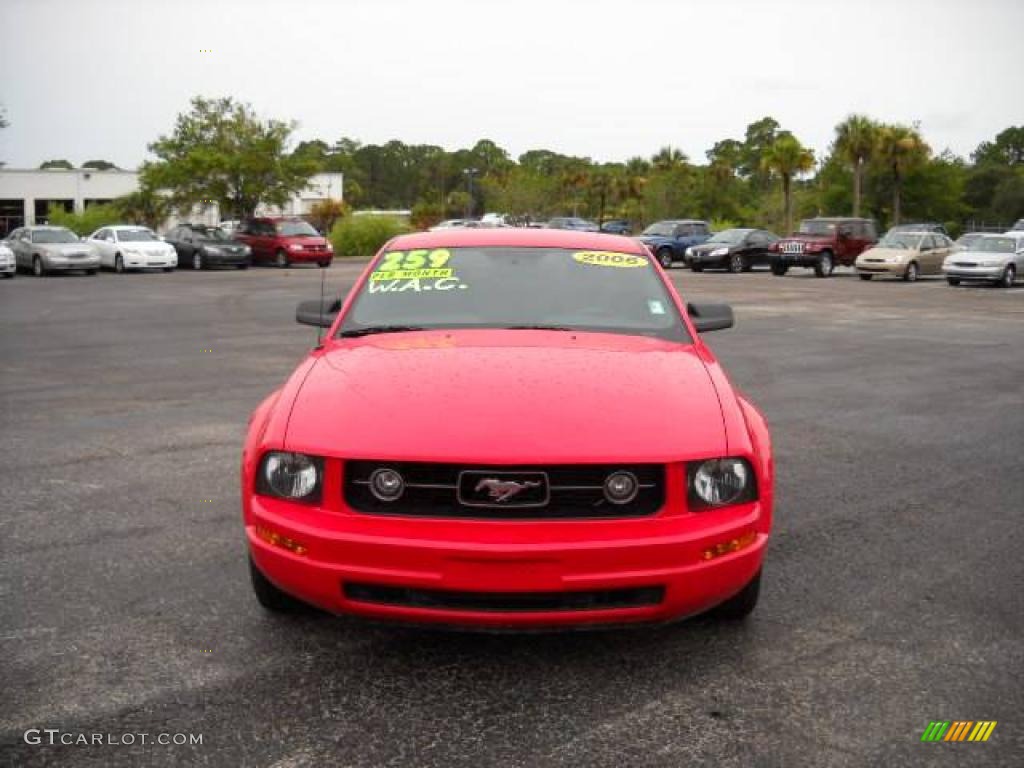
(857, 142)
(901, 148)
(787, 157)
(669, 159)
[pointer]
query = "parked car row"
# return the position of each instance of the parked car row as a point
(281, 242)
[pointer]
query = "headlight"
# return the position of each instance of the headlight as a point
(689, 251)
(719, 483)
(291, 476)
(295, 247)
(720, 252)
(329, 248)
(246, 250)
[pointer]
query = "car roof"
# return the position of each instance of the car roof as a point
(836, 218)
(518, 237)
(127, 226)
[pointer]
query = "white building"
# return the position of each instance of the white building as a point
(26, 195)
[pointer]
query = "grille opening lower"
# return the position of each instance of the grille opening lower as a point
(504, 602)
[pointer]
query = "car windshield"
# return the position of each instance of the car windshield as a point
(898, 240)
(135, 236)
(968, 239)
(814, 227)
(295, 229)
(729, 236)
(491, 287)
(54, 236)
(211, 233)
(995, 245)
(661, 228)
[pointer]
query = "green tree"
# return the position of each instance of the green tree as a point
(787, 157)
(669, 159)
(901, 149)
(1007, 149)
(857, 139)
(56, 164)
(99, 165)
(144, 206)
(221, 152)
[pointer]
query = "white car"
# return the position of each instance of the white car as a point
(127, 247)
(7, 265)
(997, 259)
(455, 224)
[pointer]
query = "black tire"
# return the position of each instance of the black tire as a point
(665, 257)
(953, 280)
(696, 267)
(38, 268)
(269, 596)
(197, 261)
(323, 264)
(168, 269)
(10, 275)
(912, 273)
(281, 259)
(779, 270)
(119, 264)
(91, 272)
(742, 604)
(824, 266)
(1009, 276)
(244, 265)
(735, 264)
(864, 276)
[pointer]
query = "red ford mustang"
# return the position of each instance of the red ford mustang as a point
(509, 428)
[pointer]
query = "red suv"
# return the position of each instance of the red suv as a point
(822, 244)
(284, 241)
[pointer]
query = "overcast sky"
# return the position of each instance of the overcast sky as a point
(100, 79)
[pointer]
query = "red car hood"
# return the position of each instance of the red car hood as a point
(508, 397)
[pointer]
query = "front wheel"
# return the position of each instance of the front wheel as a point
(863, 276)
(281, 259)
(779, 270)
(168, 269)
(953, 280)
(911, 274)
(268, 595)
(243, 265)
(742, 603)
(323, 264)
(197, 260)
(119, 264)
(696, 267)
(824, 266)
(735, 265)
(8, 275)
(665, 258)
(1009, 275)
(38, 268)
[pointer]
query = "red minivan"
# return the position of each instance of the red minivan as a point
(284, 241)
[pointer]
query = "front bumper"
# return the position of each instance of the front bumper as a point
(310, 256)
(984, 274)
(71, 265)
(487, 558)
(881, 268)
(8, 267)
(226, 259)
(707, 260)
(796, 259)
(146, 261)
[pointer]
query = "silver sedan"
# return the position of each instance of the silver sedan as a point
(52, 249)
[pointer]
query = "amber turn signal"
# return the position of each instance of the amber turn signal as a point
(272, 537)
(732, 545)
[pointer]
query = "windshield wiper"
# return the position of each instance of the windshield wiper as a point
(537, 328)
(372, 329)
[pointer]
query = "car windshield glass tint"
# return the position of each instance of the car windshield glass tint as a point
(817, 227)
(661, 228)
(211, 233)
(135, 236)
(995, 245)
(562, 289)
(295, 229)
(729, 236)
(899, 241)
(54, 236)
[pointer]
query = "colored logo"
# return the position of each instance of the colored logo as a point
(958, 730)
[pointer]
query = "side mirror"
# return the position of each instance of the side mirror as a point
(710, 317)
(316, 313)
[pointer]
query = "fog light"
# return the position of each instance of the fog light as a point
(386, 484)
(621, 487)
(272, 537)
(733, 545)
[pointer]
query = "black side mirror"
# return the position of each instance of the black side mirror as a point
(319, 314)
(710, 317)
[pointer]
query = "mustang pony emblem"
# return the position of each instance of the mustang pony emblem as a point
(501, 490)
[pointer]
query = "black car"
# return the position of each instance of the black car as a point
(200, 246)
(617, 227)
(737, 250)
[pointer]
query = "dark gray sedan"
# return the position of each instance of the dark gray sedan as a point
(45, 250)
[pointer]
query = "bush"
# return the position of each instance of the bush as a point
(364, 235)
(426, 215)
(87, 222)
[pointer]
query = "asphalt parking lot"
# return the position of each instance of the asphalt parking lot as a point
(893, 593)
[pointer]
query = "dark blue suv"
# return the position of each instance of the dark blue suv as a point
(668, 240)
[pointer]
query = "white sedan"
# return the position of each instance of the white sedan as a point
(127, 247)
